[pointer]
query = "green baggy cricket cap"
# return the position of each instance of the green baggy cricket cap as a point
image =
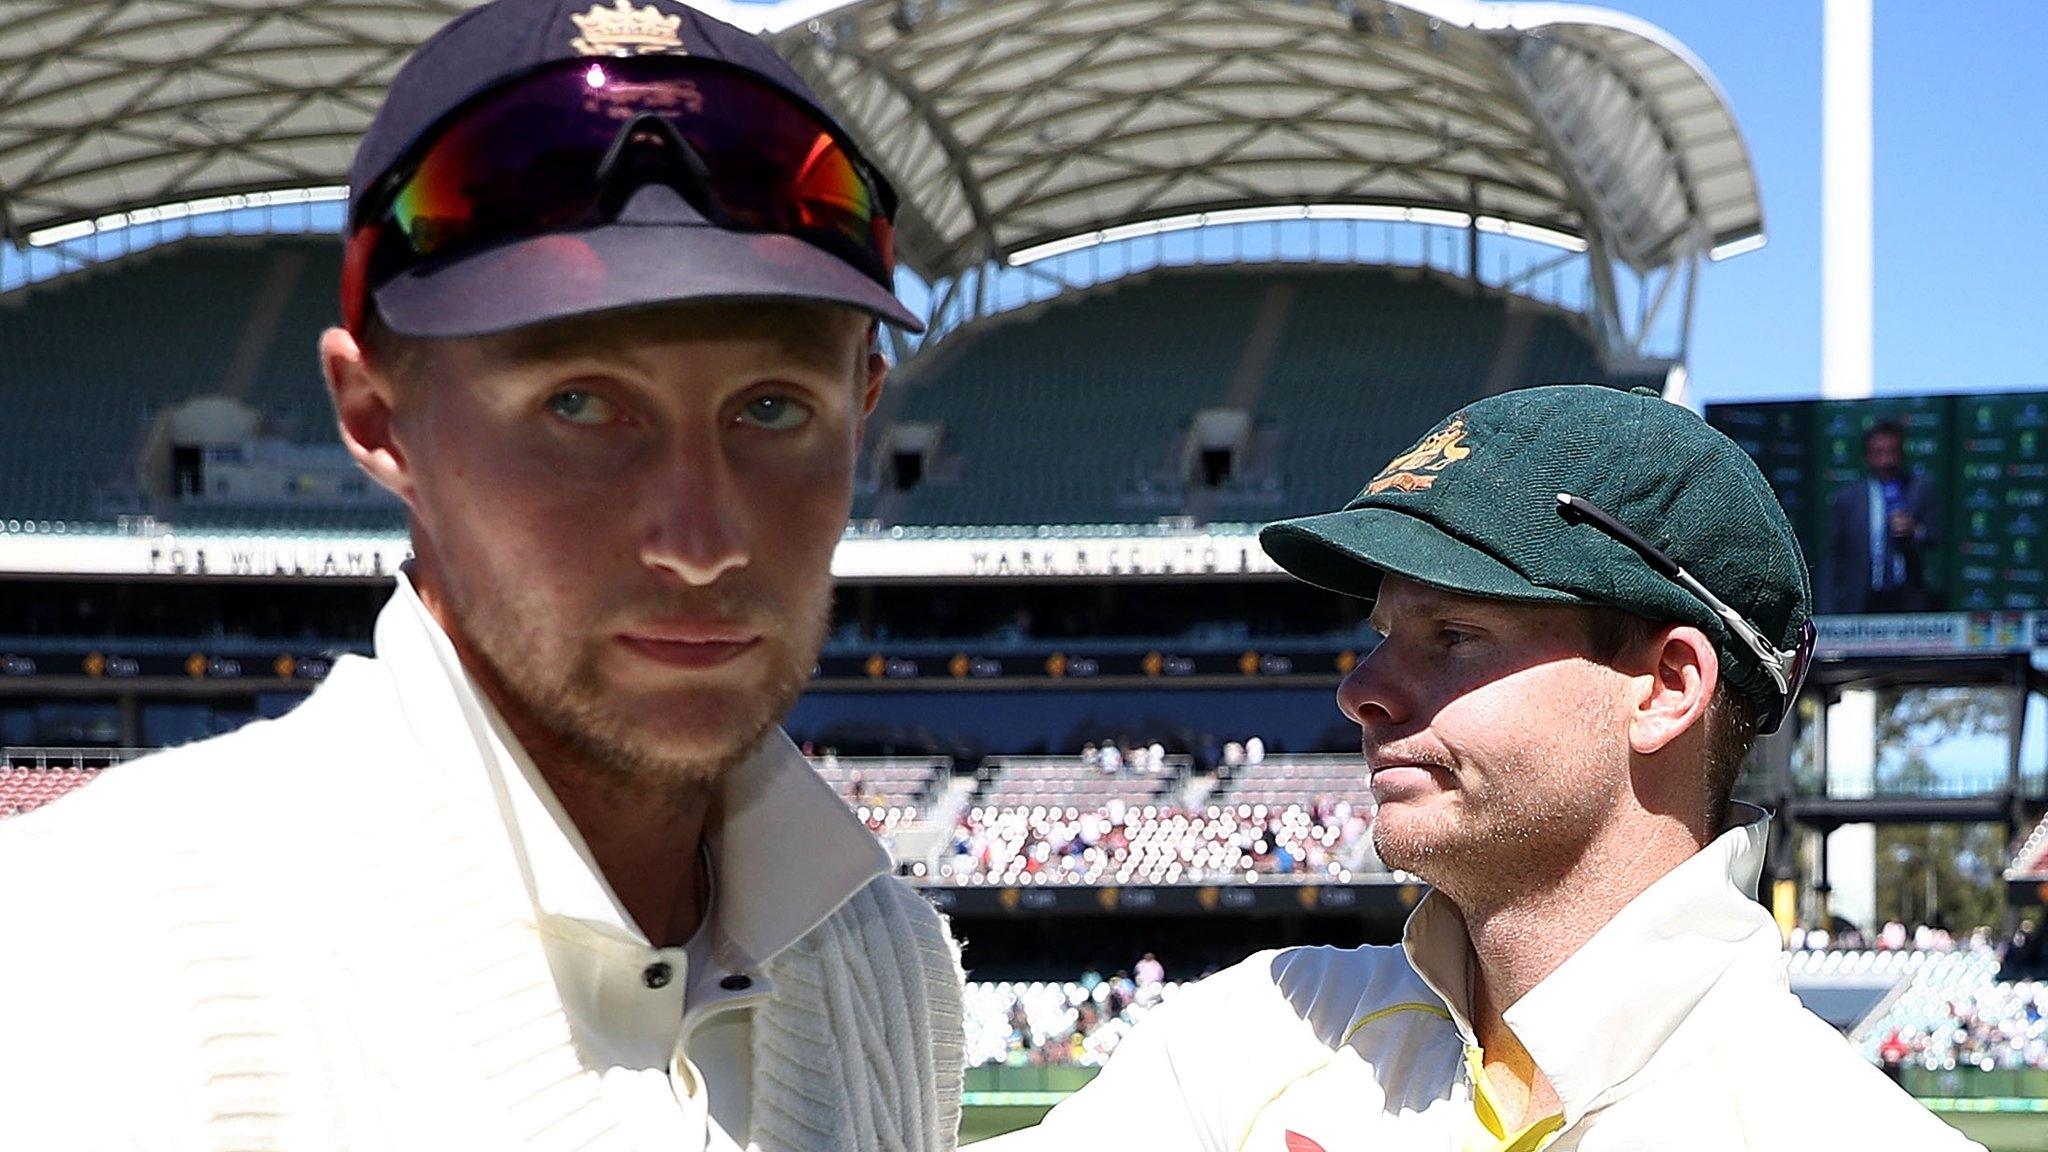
(1473, 508)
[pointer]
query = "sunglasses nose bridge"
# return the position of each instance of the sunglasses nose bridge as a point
(649, 149)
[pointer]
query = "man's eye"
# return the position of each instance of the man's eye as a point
(584, 408)
(776, 412)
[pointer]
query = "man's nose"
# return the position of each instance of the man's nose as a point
(698, 531)
(1369, 696)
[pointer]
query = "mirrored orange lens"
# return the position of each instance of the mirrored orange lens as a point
(526, 160)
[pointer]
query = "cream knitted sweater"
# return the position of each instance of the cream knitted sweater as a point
(310, 935)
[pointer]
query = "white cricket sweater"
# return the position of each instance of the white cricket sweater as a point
(314, 934)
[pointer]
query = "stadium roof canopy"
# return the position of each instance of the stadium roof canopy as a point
(110, 106)
(1015, 123)
(1008, 125)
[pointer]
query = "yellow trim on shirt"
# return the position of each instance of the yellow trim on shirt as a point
(1531, 1136)
(1412, 1006)
(1389, 1010)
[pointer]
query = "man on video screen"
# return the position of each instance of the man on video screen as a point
(1880, 532)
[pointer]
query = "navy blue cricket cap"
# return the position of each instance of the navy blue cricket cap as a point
(659, 249)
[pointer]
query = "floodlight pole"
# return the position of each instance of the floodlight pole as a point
(1850, 740)
(1845, 359)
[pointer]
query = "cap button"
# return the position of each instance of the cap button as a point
(1645, 390)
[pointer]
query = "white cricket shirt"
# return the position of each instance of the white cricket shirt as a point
(668, 1031)
(1671, 1029)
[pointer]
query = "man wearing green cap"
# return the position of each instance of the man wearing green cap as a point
(1591, 605)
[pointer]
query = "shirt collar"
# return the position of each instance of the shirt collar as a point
(775, 809)
(1598, 1019)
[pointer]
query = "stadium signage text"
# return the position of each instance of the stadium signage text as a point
(1136, 558)
(64, 550)
(1932, 634)
(1053, 555)
(266, 559)
(53, 551)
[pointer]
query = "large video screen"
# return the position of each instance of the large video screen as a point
(1910, 503)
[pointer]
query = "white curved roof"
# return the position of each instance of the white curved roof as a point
(1006, 123)
(108, 106)
(1013, 123)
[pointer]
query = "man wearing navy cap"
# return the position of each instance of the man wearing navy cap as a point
(545, 872)
(1591, 604)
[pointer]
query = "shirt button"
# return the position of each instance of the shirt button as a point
(657, 974)
(737, 982)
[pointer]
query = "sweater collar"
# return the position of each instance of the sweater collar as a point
(775, 808)
(1597, 1021)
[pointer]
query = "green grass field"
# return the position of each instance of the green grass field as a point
(2003, 1131)
(1996, 1131)
(979, 1122)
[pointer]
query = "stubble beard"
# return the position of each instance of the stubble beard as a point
(567, 698)
(1499, 837)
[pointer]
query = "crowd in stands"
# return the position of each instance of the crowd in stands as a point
(1955, 1013)
(1895, 936)
(884, 820)
(1073, 1022)
(1952, 1010)
(1124, 843)
(1999, 1026)
(1249, 754)
(882, 791)
(1118, 814)
(1114, 759)
(1952, 1013)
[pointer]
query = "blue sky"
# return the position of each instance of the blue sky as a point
(1961, 243)
(1961, 236)
(1961, 181)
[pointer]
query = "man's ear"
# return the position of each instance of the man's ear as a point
(1673, 696)
(871, 395)
(364, 406)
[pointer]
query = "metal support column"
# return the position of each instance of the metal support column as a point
(2015, 788)
(1823, 915)
(131, 720)
(1773, 759)
(1820, 887)
(1472, 234)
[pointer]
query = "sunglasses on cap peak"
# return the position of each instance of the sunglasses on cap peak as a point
(564, 146)
(1787, 668)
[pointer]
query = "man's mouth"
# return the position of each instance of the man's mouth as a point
(690, 643)
(1391, 776)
